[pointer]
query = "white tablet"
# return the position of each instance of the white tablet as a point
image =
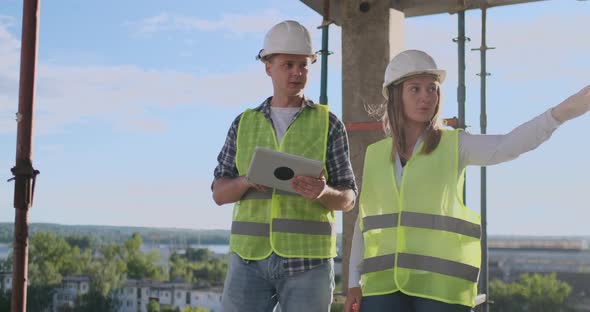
(276, 169)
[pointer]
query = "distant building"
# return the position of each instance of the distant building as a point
(135, 295)
(568, 258)
(5, 281)
(71, 288)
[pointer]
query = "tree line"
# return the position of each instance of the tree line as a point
(118, 234)
(51, 257)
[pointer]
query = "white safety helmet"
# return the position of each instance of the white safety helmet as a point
(410, 63)
(287, 37)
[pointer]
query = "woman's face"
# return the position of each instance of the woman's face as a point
(420, 98)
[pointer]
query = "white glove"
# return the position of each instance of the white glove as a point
(574, 106)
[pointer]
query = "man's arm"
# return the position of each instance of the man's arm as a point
(229, 190)
(333, 198)
(338, 198)
(228, 186)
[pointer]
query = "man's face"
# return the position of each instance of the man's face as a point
(288, 73)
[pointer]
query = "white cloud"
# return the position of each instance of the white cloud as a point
(71, 94)
(67, 94)
(235, 23)
(9, 50)
(9, 56)
(9, 73)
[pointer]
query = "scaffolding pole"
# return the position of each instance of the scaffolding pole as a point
(324, 52)
(483, 279)
(460, 40)
(23, 171)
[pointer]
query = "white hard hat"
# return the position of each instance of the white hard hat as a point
(287, 37)
(410, 63)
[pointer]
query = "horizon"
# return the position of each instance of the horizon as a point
(227, 230)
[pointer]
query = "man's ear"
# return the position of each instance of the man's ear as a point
(267, 66)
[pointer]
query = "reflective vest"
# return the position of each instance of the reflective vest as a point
(420, 240)
(275, 221)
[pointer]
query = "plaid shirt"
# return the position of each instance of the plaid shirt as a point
(337, 164)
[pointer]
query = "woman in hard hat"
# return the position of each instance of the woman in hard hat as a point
(416, 247)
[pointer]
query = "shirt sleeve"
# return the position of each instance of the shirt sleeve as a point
(356, 256)
(485, 150)
(338, 164)
(226, 164)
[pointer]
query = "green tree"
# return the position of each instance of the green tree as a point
(180, 269)
(140, 265)
(5, 300)
(505, 296)
(83, 242)
(535, 292)
(94, 301)
(195, 309)
(198, 255)
(50, 257)
(39, 297)
(197, 265)
(108, 271)
(6, 264)
(153, 306)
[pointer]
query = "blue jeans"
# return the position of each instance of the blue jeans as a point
(258, 286)
(400, 302)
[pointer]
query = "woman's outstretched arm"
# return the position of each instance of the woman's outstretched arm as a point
(485, 150)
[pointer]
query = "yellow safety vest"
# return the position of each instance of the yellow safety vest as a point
(420, 240)
(287, 224)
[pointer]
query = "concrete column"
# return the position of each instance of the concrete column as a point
(372, 34)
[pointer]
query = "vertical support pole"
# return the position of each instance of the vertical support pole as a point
(364, 24)
(24, 174)
(461, 39)
(325, 53)
(483, 279)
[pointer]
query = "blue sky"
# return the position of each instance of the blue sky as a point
(134, 99)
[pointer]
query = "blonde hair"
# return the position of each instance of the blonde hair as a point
(394, 122)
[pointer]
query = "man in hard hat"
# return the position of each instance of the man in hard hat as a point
(282, 245)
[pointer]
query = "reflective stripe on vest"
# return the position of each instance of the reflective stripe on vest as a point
(423, 263)
(255, 194)
(303, 227)
(250, 228)
(423, 220)
(379, 263)
(284, 226)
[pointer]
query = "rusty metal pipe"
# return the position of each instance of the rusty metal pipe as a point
(23, 171)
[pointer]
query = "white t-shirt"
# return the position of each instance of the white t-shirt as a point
(281, 119)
